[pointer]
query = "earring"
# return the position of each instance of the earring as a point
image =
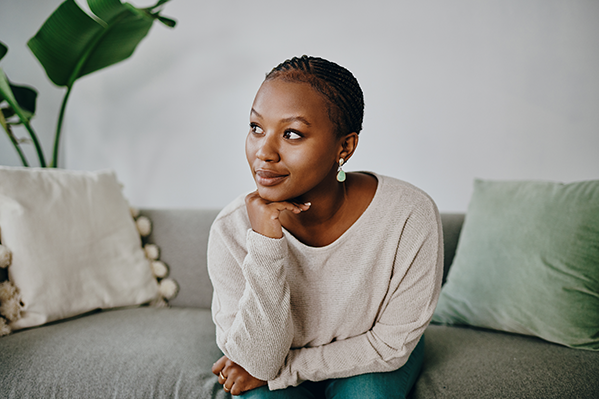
(340, 172)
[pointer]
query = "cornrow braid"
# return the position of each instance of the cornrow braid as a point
(339, 87)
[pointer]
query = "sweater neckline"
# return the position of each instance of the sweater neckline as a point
(354, 226)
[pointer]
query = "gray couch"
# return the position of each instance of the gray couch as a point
(167, 353)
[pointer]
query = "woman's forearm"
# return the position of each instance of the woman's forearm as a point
(256, 330)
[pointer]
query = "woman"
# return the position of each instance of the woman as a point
(324, 282)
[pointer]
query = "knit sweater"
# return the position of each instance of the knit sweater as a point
(287, 312)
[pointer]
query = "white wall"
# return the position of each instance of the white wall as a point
(454, 90)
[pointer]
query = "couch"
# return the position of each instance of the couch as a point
(148, 352)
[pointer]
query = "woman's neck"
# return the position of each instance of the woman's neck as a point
(332, 210)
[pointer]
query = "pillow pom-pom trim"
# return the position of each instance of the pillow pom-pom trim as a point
(8, 291)
(11, 309)
(5, 257)
(4, 327)
(152, 251)
(160, 269)
(134, 212)
(168, 288)
(144, 226)
(10, 302)
(159, 302)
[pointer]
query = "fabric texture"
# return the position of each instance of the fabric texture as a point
(390, 385)
(288, 312)
(75, 247)
(467, 362)
(142, 352)
(528, 262)
(182, 235)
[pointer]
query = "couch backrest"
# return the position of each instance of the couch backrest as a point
(182, 236)
(452, 225)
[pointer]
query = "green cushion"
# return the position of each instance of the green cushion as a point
(528, 262)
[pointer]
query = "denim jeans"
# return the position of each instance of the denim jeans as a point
(394, 384)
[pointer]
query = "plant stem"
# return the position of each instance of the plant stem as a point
(63, 107)
(15, 143)
(38, 147)
(25, 122)
(21, 155)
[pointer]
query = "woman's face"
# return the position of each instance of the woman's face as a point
(291, 146)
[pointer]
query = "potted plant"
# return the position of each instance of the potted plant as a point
(71, 44)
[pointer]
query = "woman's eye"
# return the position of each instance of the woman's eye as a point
(292, 135)
(256, 129)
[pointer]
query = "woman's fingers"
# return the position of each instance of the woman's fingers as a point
(289, 206)
(219, 365)
(304, 207)
(234, 378)
(264, 215)
(229, 378)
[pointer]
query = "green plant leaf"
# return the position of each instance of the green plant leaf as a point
(23, 96)
(26, 97)
(6, 93)
(3, 50)
(71, 44)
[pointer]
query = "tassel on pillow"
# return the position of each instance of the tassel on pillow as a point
(10, 306)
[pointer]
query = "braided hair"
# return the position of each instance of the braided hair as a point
(338, 86)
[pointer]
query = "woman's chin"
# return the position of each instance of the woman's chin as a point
(272, 195)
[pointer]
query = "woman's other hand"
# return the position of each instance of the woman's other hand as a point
(264, 215)
(234, 378)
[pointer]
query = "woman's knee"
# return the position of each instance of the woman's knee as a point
(299, 392)
(394, 384)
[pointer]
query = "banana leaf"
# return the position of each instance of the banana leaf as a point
(72, 44)
(24, 96)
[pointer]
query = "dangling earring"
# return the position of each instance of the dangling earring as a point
(340, 172)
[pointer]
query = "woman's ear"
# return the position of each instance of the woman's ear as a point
(348, 144)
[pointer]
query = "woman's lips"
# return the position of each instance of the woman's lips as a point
(269, 178)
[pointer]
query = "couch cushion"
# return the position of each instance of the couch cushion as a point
(464, 362)
(133, 353)
(527, 262)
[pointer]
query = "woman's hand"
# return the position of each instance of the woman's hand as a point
(264, 215)
(234, 378)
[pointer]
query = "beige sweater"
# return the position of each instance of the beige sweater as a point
(288, 312)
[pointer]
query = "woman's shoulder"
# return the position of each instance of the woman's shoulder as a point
(395, 193)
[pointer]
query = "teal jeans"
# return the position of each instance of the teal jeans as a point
(394, 384)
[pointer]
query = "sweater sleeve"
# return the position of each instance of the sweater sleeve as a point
(405, 313)
(251, 301)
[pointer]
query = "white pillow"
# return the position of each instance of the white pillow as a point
(74, 244)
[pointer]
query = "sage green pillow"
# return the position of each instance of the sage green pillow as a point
(527, 262)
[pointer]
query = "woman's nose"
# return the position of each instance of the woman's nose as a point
(267, 150)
